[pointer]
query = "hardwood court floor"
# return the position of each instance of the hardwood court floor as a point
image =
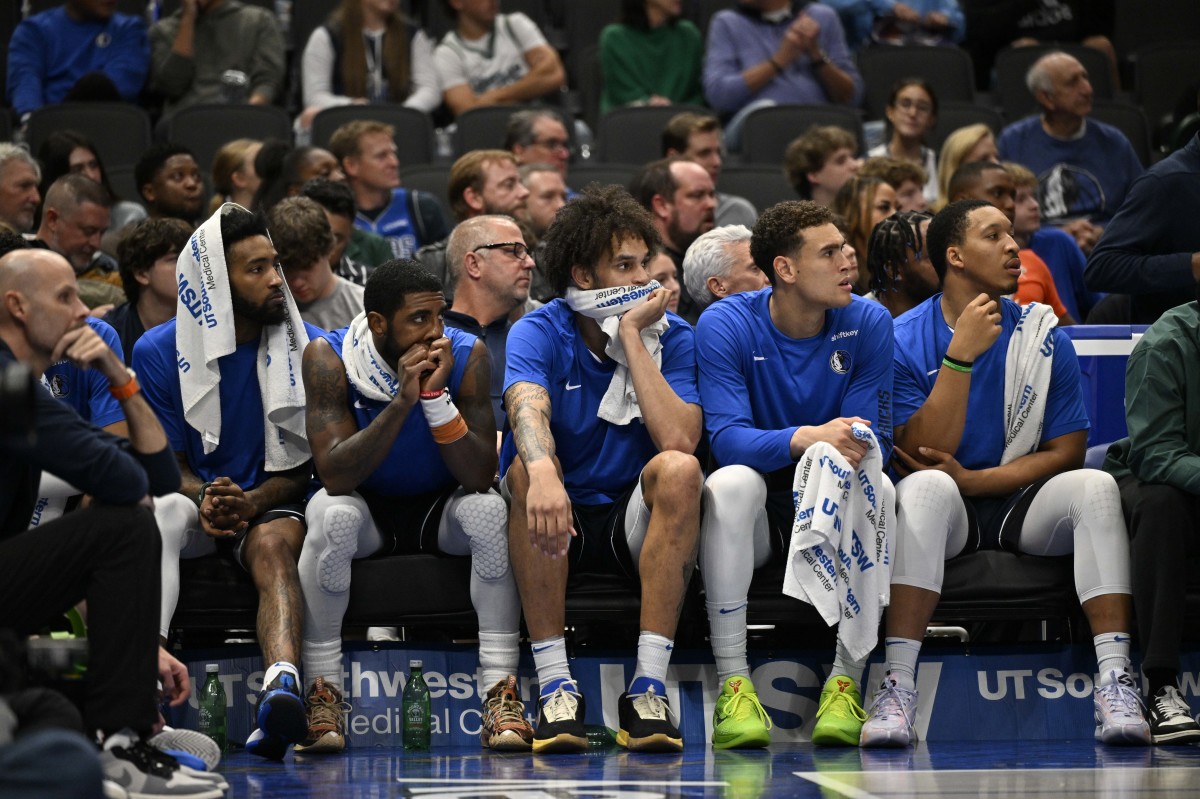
(997, 770)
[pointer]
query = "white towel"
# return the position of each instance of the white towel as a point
(619, 404)
(838, 560)
(204, 334)
(1028, 365)
(366, 369)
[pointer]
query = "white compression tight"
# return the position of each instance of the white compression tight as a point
(341, 529)
(734, 541)
(53, 495)
(1077, 511)
(182, 537)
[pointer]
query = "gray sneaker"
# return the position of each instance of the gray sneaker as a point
(144, 772)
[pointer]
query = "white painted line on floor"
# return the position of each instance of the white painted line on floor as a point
(829, 780)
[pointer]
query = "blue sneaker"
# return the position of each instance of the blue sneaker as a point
(282, 720)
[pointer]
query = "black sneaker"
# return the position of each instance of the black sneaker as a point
(143, 771)
(560, 721)
(1171, 719)
(646, 723)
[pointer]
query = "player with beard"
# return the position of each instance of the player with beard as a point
(901, 276)
(404, 441)
(228, 501)
(682, 200)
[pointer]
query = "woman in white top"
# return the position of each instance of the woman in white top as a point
(911, 114)
(367, 52)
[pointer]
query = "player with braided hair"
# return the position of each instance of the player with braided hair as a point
(901, 276)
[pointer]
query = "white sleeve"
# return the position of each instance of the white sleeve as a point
(450, 67)
(426, 92)
(317, 66)
(526, 30)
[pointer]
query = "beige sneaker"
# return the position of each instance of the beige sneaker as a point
(504, 725)
(326, 720)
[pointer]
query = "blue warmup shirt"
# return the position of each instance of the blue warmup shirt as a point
(242, 454)
(395, 224)
(1066, 263)
(600, 460)
(86, 390)
(759, 385)
(922, 337)
(50, 52)
(414, 464)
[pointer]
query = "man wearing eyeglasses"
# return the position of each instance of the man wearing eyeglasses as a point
(481, 182)
(490, 269)
(539, 137)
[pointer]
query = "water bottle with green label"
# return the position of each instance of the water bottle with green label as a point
(212, 706)
(416, 710)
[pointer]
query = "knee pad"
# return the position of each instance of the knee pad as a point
(339, 529)
(174, 514)
(484, 519)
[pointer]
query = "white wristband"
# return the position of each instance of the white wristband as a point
(440, 410)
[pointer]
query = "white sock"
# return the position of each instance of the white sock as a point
(654, 655)
(902, 656)
(1112, 654)
(278, 668)
(846, 666)
(322, 659)
(498, 656)
(550, 660)
(727, 631)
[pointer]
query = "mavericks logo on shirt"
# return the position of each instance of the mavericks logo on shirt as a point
(840, 362)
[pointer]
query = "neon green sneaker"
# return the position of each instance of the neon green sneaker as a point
(739, 720)
(840, 715)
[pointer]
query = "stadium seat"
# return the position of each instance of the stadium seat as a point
(763, 186)
(120, 131)
(484, 128)
(586, 77)
(416, 142)
(1013, 62)
(5, 123)
(123, 183)
(307, 16)
(603, 173)
(768, 131)
(1161, 73)
(206, 128)
(947, 69)
(1136, 26)
(955, 115)
(1130, 120)
(430, 178)
(633, 135)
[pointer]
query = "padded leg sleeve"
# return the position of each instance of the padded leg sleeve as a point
(733, 532)
(931, 527)
(178, 521)
(477, 524)
(1080, 511)
(339, 529)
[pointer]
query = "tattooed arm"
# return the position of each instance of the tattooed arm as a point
(548, 509)
(343, 454)
(472, 458)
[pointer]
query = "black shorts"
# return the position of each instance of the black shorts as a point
(600, 546)
(995, 522)
(408, 524)
(232, 545)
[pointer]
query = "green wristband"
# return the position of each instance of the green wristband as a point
(956, 367)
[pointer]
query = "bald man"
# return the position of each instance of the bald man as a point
(107, 553)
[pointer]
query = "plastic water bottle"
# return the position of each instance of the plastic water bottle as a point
(212, 706)
(416, 711)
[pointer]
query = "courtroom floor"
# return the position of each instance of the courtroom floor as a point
(945, 770)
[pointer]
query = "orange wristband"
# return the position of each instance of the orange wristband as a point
(449, 432)
(122, 393)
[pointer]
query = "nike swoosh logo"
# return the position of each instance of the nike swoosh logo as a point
(543, 648)
(759, 358)
(359, 404)
(1120, 639)
(734, 610)
(934, 371)
(669, 647)
(573, 387)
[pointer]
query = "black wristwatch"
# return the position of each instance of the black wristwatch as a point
(820, 60)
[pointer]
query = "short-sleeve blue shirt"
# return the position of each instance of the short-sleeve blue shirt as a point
(922, 337)
(86, 390)
(600, 460)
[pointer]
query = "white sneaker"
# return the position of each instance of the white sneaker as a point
(891, 717)
(1120, 717)
(143, 771)
(193, 742)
